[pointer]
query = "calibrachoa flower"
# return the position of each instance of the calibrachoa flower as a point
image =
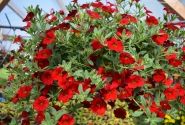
(135, 81)
(160, 38)
(24, 91)
(170, 93)
(40, 117)
(41, 104)
(46, 77)
(126, 58)
(93, 14)
(151, 20)
(65, 95)
(66, 119)
(114, 44)
(43, 54)
(159, 75)
(98, 106)
(96, 44)
(120, 113)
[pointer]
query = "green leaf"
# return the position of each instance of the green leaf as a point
(59, 114)
(80, 88)
(137, 113)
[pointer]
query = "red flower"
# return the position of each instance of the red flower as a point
(120, 113)
(11, 77)
(126, 58)
(175, 62)
(183, 49)
(24, 91)
(98, 106)
(62, 81)
(42, 63)
(93, 15)
(29, 17)
(96, 44)
(120, 31)
(43, 54)
(66, 95)
(18, 39)
(170, 94)
(97, 4)
(114, 44)
(50, 37)
(41, 104)
(159, 75)
(109, 95)
(56, 73)
(154, 108)
(160, 38)
(151, 20)
(171, 26)
(171, 56)
(125, 93)
(165, 105)
(124, 21)
(46, 77)
(168, 81)
(66, 119)
(180, 90)
(108, 9)
(135, 81)
(182, 100)
(40, 117)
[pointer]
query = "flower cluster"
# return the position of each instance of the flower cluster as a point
(94, 56)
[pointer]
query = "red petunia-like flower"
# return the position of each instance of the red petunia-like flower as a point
(96, 44)
(42, 63)
(126, 19)
(165, 105)
(40, 117)
(160, 38)
(126, 58)
(135, 81)
(114, 44)
(49, 38)
(182, 100)
(43, 54)
(24, 91)
(109, 95)
(154, 108)
(46, 77)
(56, 73)
(93, 15)
(98, 106)
(168, 81)
(151, 20)
(180, 89)
(159, 75)
(29, 17)
(120, 113)
(66, 119)
(66, 95)
(41, 104)
(125, 93)
(175, 62)
(170, 94)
